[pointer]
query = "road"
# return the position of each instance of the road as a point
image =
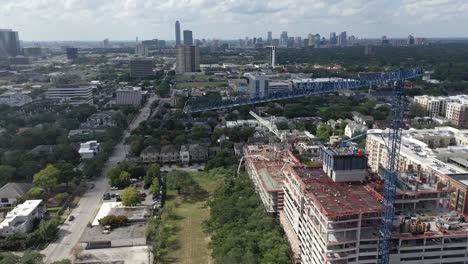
(71, 231)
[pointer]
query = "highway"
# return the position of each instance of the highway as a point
(71, 231)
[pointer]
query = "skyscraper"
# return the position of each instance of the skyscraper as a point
(333, 38)
(187, 58)
(410, 40)
(273, 56)
(188, 40)
(284, 38)
(343, 39)
(9, 43)
(177, 33)
(269, 38)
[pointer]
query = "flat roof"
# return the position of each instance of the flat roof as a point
(23, 209)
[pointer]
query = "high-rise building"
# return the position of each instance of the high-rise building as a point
(273, 56)
(410, 40)
(141, 50)
(72, 53)
(105, 43)
(310, 39)
(269, 38)
(385, 41)
(188, 39)
(333, 40)
(342, 39)
(141, 68)
(187, 58)
(9, 43)
(284, 38)
(298, 42)
(177, 33)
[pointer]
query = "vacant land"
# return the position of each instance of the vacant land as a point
(192, 211)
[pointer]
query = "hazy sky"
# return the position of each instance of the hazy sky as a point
(231, 19)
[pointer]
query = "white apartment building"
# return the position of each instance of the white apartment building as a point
(21, 218)
(73, 95)
(129, 96)
(428, 150)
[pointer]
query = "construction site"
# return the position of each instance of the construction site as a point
(330, 220)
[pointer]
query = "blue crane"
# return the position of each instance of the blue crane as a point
(202, 104)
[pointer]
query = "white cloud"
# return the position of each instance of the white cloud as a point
(125, 19)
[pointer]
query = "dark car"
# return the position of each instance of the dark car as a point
(71, 218)
(106, 196)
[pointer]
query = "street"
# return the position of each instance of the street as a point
(71, 231)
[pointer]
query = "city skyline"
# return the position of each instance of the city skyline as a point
(123, 20)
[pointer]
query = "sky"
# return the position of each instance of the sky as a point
(46, 20)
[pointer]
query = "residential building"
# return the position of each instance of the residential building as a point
(15, 99)
(141, 68)
(459, 196)
(161, 154)
(177, 33)
(362, 119)
(342, 39)
(9, 43)
(187, 59)
(33, 51)
(184, 154)
(129, 96)
(72, 53)
(71, 94)
(258, 84)
(263, 163)
(42, 150)
(11, 191)
(188, 39)
(355, 128)
(170, 154)
(89, 150)
(454, 108)
(100, 120)
(22, 218)
(434, 151)
(198, 152)
(151, 154)
(457, 113)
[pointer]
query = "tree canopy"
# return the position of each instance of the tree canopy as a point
(131, 196)
(47, 178)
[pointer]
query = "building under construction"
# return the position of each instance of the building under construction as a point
(329, 221)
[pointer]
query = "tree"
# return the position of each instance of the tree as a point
(47, 230)
(34, 193)
(32, 257)
(180, 180)
(65, 152)
(67, 172)
(416, 110)
(152, 172)
(155, 187)
(131, 196)
(6, 174)
(117, 177)
(47, 178)
(323, 132)
(136, 146)
(114, 220)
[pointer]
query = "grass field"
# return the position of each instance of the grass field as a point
(182, 85)
(192, 212)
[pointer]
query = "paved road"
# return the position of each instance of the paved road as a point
(71, 231)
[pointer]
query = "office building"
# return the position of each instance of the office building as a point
(22, 218)
(269, 38)
(33, 51)
(188, 39)
(385, 41)
(9, 43)
(333, 40)
(259, 84)
(141, 50)
(129, 96)
(273, 56)
(187, 59)
(411, 40)
(71, 94)
(284, 39)
(72, 53)
(141, 68)
(342, 39)
(105, 43)
(177, 33)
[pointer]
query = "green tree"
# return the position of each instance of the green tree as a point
(114, 220)
(47, 230)
(323, 132)
(136, 146)
(131, 196)
(155, 187)
(6, 174)
(32, 257)
(117, 177)
(416, 110)
(47, 178)
(180, 180)
(153, 171)
(34, 193)
(67, 173)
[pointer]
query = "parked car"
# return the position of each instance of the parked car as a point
(113, 188)
(118, 199)
(106, 196)
(71, 218)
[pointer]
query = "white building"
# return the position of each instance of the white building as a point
(454, 108)
(354, 128)
(129, 96)
(89, 150)
(21, 219)
(258, 85)
(15, 99)
(73, 95)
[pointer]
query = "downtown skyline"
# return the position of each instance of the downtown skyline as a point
(124, 20)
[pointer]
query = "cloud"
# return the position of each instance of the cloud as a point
(125, 19)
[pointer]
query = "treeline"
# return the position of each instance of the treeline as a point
(242, 232)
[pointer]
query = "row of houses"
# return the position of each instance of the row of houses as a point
(186, 154)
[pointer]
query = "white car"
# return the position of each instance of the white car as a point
(113, 188)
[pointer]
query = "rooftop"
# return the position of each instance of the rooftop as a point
(24, 209)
